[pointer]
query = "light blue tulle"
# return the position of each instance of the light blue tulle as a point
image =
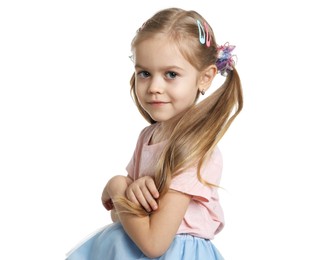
(112, 243)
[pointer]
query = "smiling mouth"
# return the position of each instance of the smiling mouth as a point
(157, 103)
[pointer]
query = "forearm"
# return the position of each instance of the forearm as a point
(114, 215)
(143, 234)
(138, 228)
(107, 200)
(153, 234)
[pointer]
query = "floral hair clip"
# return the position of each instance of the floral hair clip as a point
(225, 62)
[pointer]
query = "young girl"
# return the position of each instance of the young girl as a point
(168, 207)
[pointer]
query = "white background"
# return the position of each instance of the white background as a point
(68, 123)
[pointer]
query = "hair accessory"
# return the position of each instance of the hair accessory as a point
(225, 62)
(204, 36)
(132, 58)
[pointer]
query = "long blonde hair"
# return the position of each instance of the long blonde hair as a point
(200, 128)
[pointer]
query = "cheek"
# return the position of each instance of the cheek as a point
(140, 94)
(137, 90)
(193, 97)
(188, 95)
(185, 100)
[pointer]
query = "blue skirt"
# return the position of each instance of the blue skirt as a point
(112, 243)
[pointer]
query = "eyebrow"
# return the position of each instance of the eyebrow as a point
(172, 67)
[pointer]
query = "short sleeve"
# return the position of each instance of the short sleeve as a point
(130, 167)
(188, 182)
(134, 164)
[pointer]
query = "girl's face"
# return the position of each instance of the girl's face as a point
(166, 83)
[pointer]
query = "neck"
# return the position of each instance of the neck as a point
(164, 129)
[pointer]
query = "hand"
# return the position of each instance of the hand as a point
(143, 191)
(115, 186)
(106, 200)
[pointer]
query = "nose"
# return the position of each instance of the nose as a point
(156, 85)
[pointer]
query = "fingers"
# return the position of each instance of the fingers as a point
(152, 188)
(130, 194)
(137, 196)
(148, 199)
(108, 204)
(106, 200)
(143, 192)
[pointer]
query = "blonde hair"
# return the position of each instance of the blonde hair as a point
(198, 131)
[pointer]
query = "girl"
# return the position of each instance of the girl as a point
(167, 207)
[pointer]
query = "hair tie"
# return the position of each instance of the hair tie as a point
(225, 62)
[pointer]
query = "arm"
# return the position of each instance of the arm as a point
(153, 234)
(108, 203)
(113, 215)
(143, 191)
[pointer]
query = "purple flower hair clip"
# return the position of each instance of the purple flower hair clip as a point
(225, 62)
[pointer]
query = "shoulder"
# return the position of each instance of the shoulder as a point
(211, 170)
(147, 130)
(189, 182)
(215, 158)
(146, 133)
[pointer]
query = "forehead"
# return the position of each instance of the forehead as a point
(159, 51)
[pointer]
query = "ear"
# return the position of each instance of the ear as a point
(206, 77)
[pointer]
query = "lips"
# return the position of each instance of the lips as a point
(157, 102)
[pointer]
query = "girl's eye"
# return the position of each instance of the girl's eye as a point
(143, 74)
(171, 75)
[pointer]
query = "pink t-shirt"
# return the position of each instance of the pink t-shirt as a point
(204, 216)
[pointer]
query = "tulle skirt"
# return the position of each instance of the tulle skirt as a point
(112, 243)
